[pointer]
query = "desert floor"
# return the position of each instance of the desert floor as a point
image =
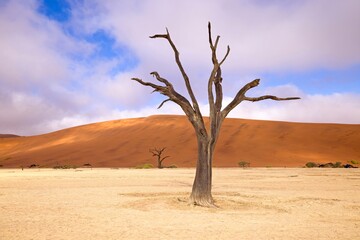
(254, 203)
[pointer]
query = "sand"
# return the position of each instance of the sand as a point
(254, 203)
(126, 143)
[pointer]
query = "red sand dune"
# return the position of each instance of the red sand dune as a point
(8, 135)
(126, 143)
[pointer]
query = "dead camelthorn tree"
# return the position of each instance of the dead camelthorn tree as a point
(206, 137)
(157, 152)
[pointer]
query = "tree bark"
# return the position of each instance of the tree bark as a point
(201, 190)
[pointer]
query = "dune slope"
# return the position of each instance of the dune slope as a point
(126, 143)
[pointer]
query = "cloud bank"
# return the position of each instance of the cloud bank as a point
(57, 74)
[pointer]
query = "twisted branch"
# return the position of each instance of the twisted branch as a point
(181, 68)
(168, 91)
(255, 99)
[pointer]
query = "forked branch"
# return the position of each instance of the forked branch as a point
(168, 91)
(160, 79)
(215, 76)
(181, 68)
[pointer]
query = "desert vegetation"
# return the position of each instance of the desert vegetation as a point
(328, 165)
(34, 165)
(354, 162)
(243, 164)
(144, 166)
(158, 153)
(66, 166)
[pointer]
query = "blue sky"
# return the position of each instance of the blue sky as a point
(69, 62)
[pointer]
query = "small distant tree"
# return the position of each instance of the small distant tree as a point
(157, 152)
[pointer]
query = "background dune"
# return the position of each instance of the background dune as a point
(126, 143)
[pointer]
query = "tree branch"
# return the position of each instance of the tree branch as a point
(160, 79)
(181, 68)
(164, 158)
(170, 92)
(227, 54)
(215, 77)
(240, 96)
(218, 90)
(210, 37)
(157, 152)
(255, 99)
(157, 88)
(163, 103)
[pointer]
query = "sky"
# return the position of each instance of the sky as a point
(69, 62)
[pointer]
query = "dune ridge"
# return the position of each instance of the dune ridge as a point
(126, 143)
(8, 135)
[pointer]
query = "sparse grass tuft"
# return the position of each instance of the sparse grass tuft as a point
(311, 165)
(65, 167)
(354, 162)
(144, 166)
(337, 165)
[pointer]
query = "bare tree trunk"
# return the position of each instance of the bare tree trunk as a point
(159, 162)
(201, 190)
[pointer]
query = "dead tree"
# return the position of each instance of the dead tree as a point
(157, 153)
(206, 137)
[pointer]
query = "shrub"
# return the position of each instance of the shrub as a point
(354, 162)
(144, 166)
(349, 166)
(337, 165)
(172, 166)
(64, 167)
(311, 165)
(244, 164)
(34, 166)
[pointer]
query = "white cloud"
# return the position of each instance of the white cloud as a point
(21, 113)
(44, 88)
(120, 91)
(331, 108)
(273, 36)
(36, 69)
(34, 49)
